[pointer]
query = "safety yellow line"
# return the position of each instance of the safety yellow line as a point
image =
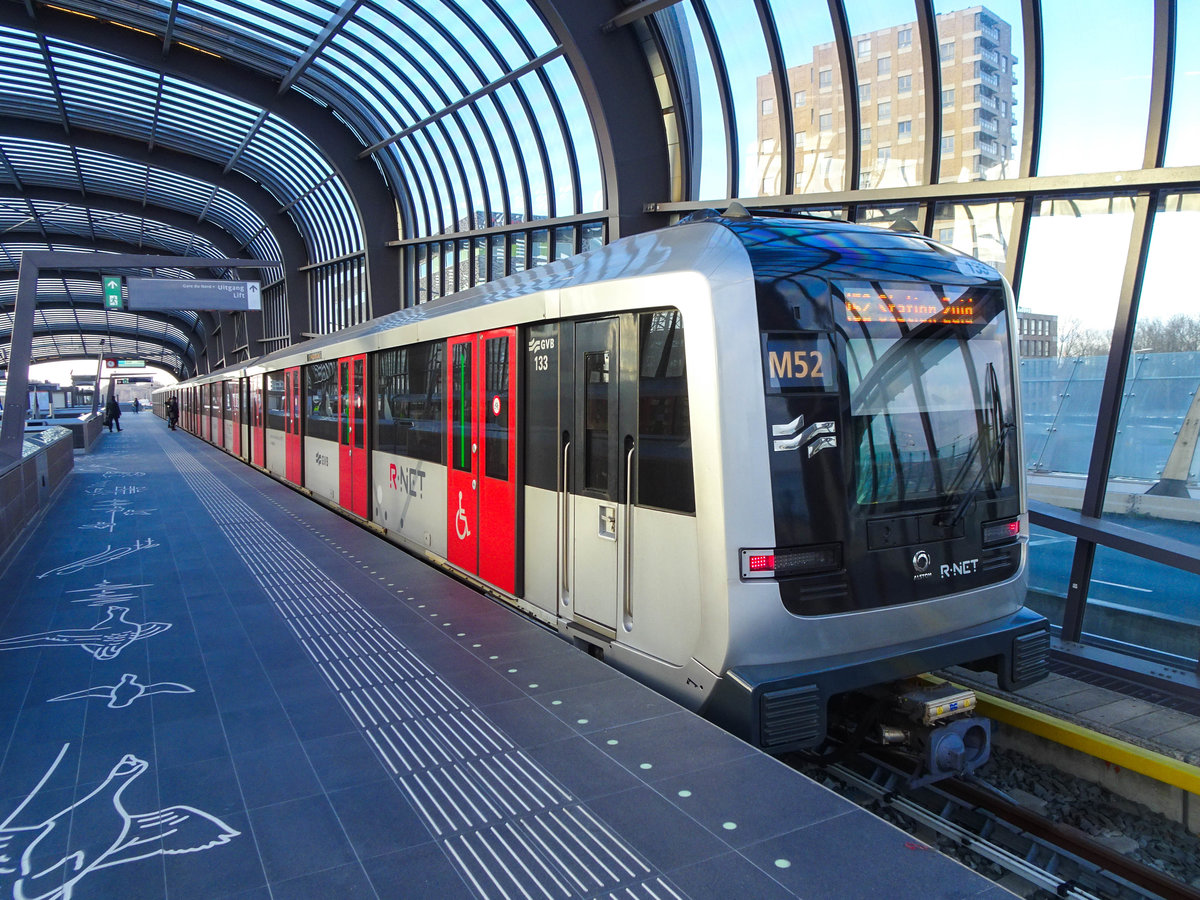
(1161, 768)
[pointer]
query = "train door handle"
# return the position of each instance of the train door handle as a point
(608, 522)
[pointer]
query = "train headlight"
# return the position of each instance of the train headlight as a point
(1003, 531)
(784, 562)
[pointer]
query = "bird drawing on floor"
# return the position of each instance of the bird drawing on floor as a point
(125, 691)
(104, 640)
(45, 861)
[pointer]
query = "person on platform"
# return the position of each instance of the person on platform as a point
(172, 412)
(137, 407)
(112, 414)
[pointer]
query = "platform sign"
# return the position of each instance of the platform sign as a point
(112, 292)
(194, 293)
(113, 363)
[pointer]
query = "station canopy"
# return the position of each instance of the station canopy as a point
(322, 137)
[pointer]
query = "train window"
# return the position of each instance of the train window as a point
(496, 415)
(664, 454)
(321, 401)
(409, 386)
(344, 402)
(275, 401)
(542, 444)
(460, 415)
(359, 430)
(597, 374)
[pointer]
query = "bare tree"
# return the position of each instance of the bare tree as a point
(1075, 340)
(1178, 334)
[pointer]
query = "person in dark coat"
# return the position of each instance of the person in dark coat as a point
(112, 414)
(172, 412)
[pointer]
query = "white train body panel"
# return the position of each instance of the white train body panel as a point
(409, 501)
(321, 468)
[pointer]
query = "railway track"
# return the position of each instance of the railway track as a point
(1058, 859)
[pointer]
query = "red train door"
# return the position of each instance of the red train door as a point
(216, 411)
(294, 452)
(206, 411)
(238, 391)
(352, 434)
(482, 452)
(258, 431)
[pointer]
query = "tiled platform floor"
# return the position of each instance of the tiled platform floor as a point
(212, 687)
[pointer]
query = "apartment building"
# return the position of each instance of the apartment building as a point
(977, 100)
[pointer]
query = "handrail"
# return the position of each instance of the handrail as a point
(627, 578)
(565, 544)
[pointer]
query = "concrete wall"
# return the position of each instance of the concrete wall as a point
(27, 486)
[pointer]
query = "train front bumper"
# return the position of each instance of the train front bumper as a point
(782, 706)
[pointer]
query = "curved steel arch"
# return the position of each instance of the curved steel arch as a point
(367, 191)
(214, 234)
(185, 350)
(292, 244)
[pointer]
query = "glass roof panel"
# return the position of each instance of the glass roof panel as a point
(33, 162)
(274, 24)
(101, 91)
(992, 40)
(745, 53)
(583, 136)
(816, 100)
(533, 169)
(25, 85)
(1183, 137)
(39, 163)
(545, 114)
(475, 42)
(1099, 55)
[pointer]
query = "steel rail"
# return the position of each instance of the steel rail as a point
(1048, 855)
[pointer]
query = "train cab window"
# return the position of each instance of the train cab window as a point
(321, 401)
(409, 390)
(276, 412)
(496, 415)
(664, 452)
(460, 416)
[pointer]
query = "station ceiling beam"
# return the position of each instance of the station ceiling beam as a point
(363, 180)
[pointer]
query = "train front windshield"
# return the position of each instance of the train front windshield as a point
(931, 391)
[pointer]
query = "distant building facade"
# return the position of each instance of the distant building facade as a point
(977, 81)
(1038, 334)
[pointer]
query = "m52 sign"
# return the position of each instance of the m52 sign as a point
(216, 295)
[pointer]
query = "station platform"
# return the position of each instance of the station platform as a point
(211, 686)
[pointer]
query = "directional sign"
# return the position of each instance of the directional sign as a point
(194, 293)
(112, 291)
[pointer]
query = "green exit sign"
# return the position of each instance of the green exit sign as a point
(112, 292)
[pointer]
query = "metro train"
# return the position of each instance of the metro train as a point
(760, 464)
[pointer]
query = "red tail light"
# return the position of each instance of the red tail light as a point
(761, 562)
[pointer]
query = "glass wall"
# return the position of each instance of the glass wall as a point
(886, 100)
(1073, 269)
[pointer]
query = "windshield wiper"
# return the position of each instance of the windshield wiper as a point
(986, 461)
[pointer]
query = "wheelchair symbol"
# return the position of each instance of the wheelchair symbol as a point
(460, 521)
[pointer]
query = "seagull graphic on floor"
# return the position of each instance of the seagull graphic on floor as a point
(125, 691)
(45, 861)
(104, 640)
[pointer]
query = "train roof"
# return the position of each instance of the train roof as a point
(778, 250)
(784, 247)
